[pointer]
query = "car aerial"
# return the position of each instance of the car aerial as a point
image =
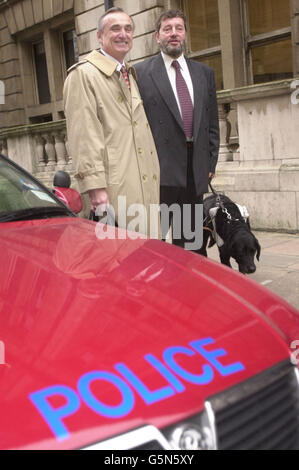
(122, 343)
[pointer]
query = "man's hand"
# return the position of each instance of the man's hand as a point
(99, 198)
(211, 176)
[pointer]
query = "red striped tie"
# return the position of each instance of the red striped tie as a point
(185, 100)
(125, 75)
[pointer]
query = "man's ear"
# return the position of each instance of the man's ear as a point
(99, 36)
(157, 37)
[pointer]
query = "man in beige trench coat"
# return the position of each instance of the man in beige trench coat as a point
(108, 133)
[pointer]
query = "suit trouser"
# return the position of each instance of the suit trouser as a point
(187, 197)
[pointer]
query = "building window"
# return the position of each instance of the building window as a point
(203, 24)
(204, 35)
(70, 46)
(45, 56)
(268, 15)
(269, 40)
(272, 61)
(41, 72)
(108, 4)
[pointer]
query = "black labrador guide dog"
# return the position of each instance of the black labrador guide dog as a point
(225, 225)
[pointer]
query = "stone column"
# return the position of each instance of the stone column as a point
(50, 152)
(225, 154)
(60, 150)
(69, 156)
(40, 152)
(232, 50)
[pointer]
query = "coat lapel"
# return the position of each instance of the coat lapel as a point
(125, 90)
(161, 80)
(199, 88)
(135, 95)
(108, 67)
(160, 77)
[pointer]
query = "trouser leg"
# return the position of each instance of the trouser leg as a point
(186, 218)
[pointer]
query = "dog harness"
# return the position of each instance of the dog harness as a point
(213, 212)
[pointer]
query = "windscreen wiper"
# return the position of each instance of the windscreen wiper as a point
(36, 213)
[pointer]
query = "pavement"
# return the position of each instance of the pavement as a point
(278, 268)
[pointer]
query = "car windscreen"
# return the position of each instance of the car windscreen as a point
(19, 193)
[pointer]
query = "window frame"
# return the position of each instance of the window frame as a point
(36, 88)
(250, 41)
(240, 44)
(65, 29)
(202, 54)
(34, 111)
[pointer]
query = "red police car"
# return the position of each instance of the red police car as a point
(133, 344)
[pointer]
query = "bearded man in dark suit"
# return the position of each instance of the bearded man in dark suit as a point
(180, 101)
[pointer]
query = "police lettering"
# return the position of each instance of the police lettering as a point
(128, 384)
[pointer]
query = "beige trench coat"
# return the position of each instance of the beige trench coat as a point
(109, 137)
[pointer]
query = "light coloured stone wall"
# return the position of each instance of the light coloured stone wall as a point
(87, 13)
(12, 110)
(24, 19)
(264, 173)
(15, 18)
(143, 12)
(268, 129)
(41, 149)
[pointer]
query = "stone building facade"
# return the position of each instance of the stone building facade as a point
(253, 46)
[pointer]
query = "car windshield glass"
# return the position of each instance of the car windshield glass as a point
(19, 192)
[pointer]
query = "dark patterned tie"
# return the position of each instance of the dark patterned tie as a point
(185, 100)
(125, 75)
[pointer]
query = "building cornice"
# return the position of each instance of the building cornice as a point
(43, 128)
(262, 90)
(7, 3)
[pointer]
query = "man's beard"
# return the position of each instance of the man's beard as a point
(174, 52)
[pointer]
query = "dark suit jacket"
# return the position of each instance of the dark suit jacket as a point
(167, 125)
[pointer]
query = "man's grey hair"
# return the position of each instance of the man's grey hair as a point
(101, 22)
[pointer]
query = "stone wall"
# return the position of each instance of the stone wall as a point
(264, 173)
(144, 13)
(17, 16)
(22, 20)
(12, 110)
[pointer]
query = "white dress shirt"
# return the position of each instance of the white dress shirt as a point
(172, 75)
